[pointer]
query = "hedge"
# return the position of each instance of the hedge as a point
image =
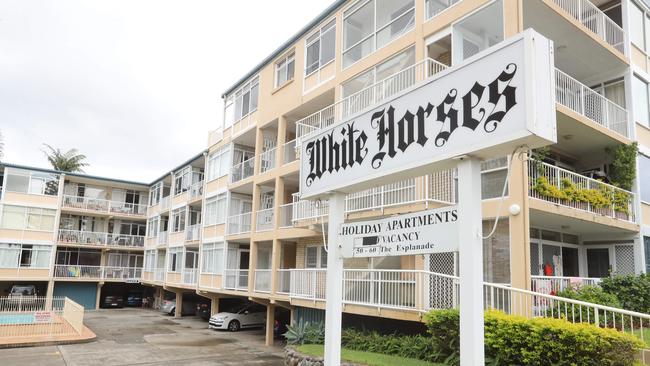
(418, 346)
(515, 340)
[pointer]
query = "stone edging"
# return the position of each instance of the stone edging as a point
(294, 358)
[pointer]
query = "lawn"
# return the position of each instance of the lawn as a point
(368, 358)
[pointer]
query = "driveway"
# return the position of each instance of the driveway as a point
(146, 337)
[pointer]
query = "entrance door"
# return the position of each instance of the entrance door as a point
(570, 262)
(551, 260)
(598, 262)
(244, 256)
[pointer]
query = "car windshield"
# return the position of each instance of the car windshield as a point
(22, 290)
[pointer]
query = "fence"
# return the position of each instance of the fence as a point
(555, 284)
(32, 316)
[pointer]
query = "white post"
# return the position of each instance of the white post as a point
(471, 262)
(334, 282)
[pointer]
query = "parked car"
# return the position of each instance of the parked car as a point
(134, 299)
(169, 307)
(203, 310)
(22, 290)
(248, 316)
(113, 301)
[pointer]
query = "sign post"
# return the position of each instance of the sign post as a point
(334, 281)
(470, 254)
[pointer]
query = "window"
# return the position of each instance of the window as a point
(25, 255)
(213, 258)
(477, 32)
(218, 163)
(640, 92)
(637, 31)
(215, 209)
(178, 220)
(27, 218)
(435, 7)
(149, 260)
(315, 257)
(152, 226)
(496, 252)
(320, 47)
(175, 262)
(369, 25)
(284, 70)
(644, 176)
(32, 182)
(494, 172)
(390, 67)
(241, 103)
(156, 193)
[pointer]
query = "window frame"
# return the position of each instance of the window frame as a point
(27, 212)
(33, 175)
(329, 26)
(283, 63)
(238, 94)
(321, 256)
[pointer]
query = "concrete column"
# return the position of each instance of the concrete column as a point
(259, 144)
(49, 294)
(275, 264)
(270, 322)
(278, 200)
(282, 138)
(98, 297)
(214, 305)
(179, 304)
(252, 265)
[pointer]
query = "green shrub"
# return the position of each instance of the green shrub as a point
(305, 333)
(514, 340)
(632, 291)
(418, 346)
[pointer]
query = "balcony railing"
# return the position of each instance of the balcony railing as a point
(159, 274)
(308, 283)
(286, 215)
(242, 170)
(196, 190)
(264, 220)
(190, 276)
(215, 136)
(94, 238)
(284, 281)
(574, 95)
(165, 203)
(97, 272)
(193, 232)
(268, 159)
(367, 97)
(101, 205)
(588, 14)
(163, 238)
(554, 284)
(239, 224)
(289, 152)
(308, 210)
(263, 280)
(563, 187)
(236, 279)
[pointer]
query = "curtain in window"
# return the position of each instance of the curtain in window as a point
(9, 254)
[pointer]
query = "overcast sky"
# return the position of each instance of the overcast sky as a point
(133, 84)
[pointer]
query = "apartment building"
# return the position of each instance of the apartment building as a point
(229, 222)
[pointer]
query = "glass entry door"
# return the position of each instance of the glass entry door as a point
(598, 262)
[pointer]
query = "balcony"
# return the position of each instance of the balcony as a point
(190, 276)
(286, 216)
(368, 97)
(284, 281)
(163, 238)
(165, 203)
(196, 191)
(236, 279)
(263, 280)
(565, 188)
(588, 14)
(98, 272)
(264, 220)
(574, 95)
(215, 136)
(308, 210)
(239, 224)
(267, 160)
(159, 275)
(193, 232)
(242, 170)
(106, 206)
(97, 238)
(289, 149)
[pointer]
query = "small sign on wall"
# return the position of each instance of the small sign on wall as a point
(42, 317)
(431, 231)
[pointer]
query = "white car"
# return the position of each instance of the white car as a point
(247, 316)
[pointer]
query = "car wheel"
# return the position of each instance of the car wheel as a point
(233, 326)
(172, 311)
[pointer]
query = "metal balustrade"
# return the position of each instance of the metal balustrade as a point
(165, 203)
(104, 239)
(196, 190)
(264, 220)
(284, 281)
(97, 272)
(308, 210)
(190, 276)
(367, 97)
(268, 159)
(21, 303)
(289, 152)
(286, 215)
(620, 203)
(262, 280)
(239, 224)
(163, 238)
(122, 273)
(101, 205)
(159, 274)
(36, 316)
(576, 96)
(242, 170)
(193, 232)
(236, 279)
(555, 284)
(588, 14)
(308, 283)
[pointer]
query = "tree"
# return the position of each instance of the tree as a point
(69, 161)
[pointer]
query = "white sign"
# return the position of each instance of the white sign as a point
(431, 231)
(41, 317)
(485, 108)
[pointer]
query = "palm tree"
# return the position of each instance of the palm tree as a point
(69, 161)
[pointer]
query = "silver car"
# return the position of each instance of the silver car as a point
(169, 307)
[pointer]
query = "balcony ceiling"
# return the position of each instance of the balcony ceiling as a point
(576, 53)
(579, 139)
(572, 225)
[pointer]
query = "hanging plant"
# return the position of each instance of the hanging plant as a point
(623, 166)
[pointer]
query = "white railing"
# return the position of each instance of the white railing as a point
(165, 203)
(193, 232)
(39, 316)
(284, 281)
(435, 7)
(268, 159)
(308, 210)
(367, 97)
(401, 192)
(308, 283)
(215, 136)
(239, 224)
(618, 203)
(163, 237)
(289, 152)
(93, 238)
(95, 204)
(286, 215)
(554, 284)
(97, 272)
(190, 276)
(576, 96)
(122, 273)
(262, 280)
(242, 170)
(196, 190)
(236, 279)
(593, 18)
(264, 220)
(124, 240)
(159, 274)
(534, 304)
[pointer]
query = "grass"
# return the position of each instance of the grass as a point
(368, 358)
(646, 335)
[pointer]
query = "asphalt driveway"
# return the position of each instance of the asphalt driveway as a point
(146, 337)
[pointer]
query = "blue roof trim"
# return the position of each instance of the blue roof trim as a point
(327, 12)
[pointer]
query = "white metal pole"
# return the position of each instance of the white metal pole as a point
(471, 262)
(334, 281)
